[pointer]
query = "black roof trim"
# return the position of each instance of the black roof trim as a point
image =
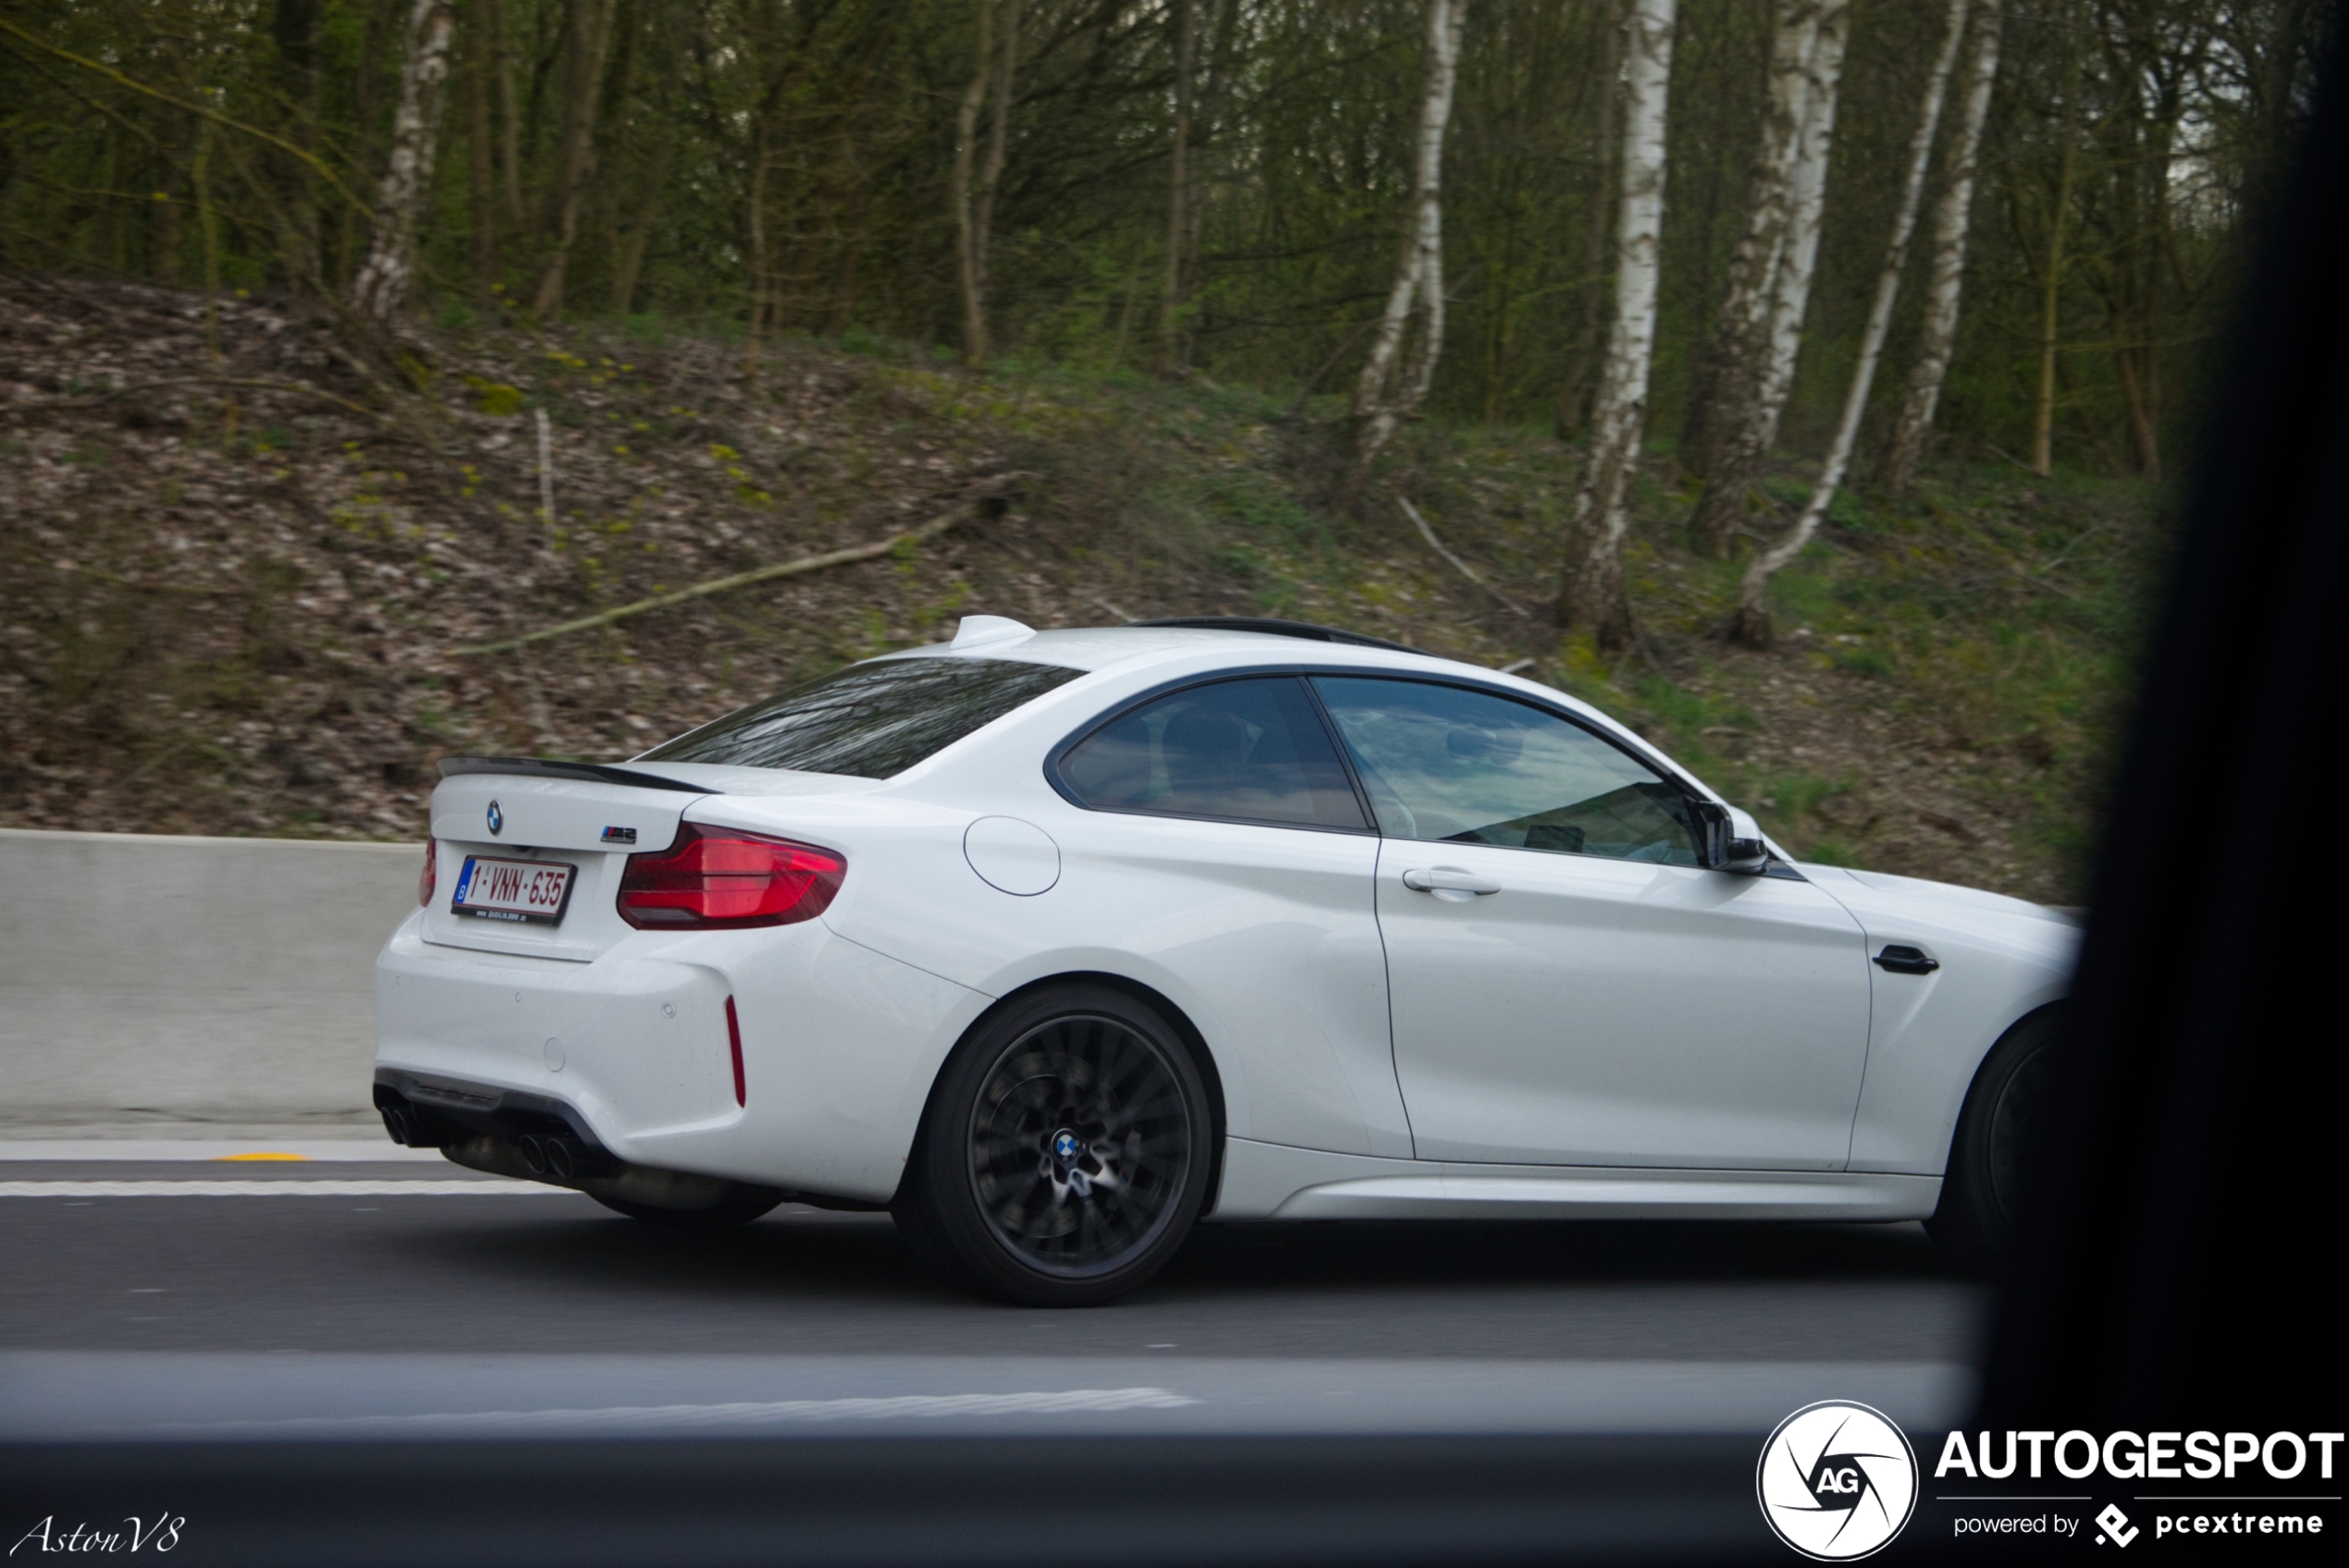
(1269, 626)
(543, 768)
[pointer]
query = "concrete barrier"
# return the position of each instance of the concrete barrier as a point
(147, 978)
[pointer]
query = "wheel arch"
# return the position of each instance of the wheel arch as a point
(2030, 1016)
(1193, 1041)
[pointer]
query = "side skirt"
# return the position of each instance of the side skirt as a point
(1269, 1182)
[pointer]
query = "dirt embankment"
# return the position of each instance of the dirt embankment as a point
(237, 585)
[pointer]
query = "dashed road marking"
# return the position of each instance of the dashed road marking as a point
(641, 1417)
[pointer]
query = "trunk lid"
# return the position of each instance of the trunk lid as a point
(585, 816)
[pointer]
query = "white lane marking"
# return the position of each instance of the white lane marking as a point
(741, 1413)
(293, 1189)
(377, 1150)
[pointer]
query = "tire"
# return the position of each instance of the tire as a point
(1065, 1152)
(740, 1207)
(1982, 1197)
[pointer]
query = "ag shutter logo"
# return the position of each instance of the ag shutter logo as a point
(1837, 1481)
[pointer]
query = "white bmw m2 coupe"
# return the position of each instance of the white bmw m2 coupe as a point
(1054, 944)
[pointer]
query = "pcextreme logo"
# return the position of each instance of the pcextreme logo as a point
(1837, 1480)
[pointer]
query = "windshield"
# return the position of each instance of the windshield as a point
(869, 720)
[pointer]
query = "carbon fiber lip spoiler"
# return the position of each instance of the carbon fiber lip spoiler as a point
(542, 767)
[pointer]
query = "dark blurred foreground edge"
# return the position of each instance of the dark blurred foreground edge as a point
(2182, 1277)
(1132, 1501)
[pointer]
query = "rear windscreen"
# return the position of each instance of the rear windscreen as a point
(869, 720)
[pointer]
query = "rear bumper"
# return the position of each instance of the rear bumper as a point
(629, 1053)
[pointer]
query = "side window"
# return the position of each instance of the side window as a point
(1449, 765)
(1244, 750)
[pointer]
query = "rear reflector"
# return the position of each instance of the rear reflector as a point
(430, 878)
(717, 878)
(734, 1039)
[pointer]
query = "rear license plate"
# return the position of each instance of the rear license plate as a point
(520, 890)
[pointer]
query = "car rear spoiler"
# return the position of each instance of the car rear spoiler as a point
(546, 767)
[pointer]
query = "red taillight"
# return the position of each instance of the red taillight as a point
(430, 877)
(715, 877)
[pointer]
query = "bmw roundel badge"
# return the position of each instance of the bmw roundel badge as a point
(497, 820)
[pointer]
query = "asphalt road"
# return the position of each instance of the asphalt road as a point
(389, 1364)
(552, 1272)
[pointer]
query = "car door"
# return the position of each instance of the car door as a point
(1567, 986)
(1223, 845)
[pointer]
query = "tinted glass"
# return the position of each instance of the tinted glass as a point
(1449, 765)
(869, 720)
(1245, 751)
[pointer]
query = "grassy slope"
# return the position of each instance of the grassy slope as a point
(230, 594)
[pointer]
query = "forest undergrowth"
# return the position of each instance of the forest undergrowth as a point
(237, 585)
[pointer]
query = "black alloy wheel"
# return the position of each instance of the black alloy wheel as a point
(1984, 1192)
(1066, 1152)
(2017, 1120)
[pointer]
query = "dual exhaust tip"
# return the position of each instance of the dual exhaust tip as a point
(407, 1128)
(550, 1156)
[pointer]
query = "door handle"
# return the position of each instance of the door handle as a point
(1447, 879)
(1899, 960)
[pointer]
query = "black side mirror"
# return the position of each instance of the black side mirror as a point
(1728, 839)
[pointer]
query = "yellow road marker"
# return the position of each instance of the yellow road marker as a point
(262, 1154)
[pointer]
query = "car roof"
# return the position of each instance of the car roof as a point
(1243, 643)
(1243, 640)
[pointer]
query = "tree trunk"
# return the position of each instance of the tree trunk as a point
(1725, 376)
(1745, 453)
(1591, 592)
(1418, 266)
(590, 37)
(351, 232)
(2051, 300)
(1203, 112)
(509, 115)
(1574, 395)
(2140, 368)
(999, 133)
(762, 304)
(652, 178)
(1752, 625)
(294, 25)
(380, 290)
(967, 263)
(480, 144)
(1178, 184)
(1950, 222)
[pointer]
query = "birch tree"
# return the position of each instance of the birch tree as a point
(1592, 590)
(1393, 383)
(1951, 221)
(1745, 452)
(1724, 375)
(974, 209)
(1752, 619)
(380, 289)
